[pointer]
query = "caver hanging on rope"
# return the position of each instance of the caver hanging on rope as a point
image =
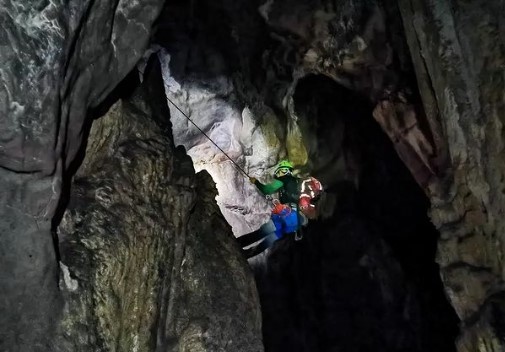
(291, 192)
(286, 215)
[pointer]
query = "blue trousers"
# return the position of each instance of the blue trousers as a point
(266, 233)
(278, 226)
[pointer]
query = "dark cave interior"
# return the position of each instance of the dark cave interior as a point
(365, 279)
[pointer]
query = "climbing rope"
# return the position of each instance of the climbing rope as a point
(199, 129)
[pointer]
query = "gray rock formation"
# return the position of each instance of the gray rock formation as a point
(210, 101)
(459, 57)
(57, 60)
(149, 262)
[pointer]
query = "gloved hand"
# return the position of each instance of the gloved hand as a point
(252, 180)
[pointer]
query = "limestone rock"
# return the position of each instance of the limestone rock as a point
(250, 137)
(146, 260)
(57, 60)
(153, 263)
(459, 57)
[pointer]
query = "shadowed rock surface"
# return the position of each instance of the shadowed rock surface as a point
(149, 262)
(57, 59)
(363, 278)
(458, 52)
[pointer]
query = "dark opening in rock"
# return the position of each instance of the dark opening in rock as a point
(365, 278)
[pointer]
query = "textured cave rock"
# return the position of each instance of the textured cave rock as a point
(207, 95)
(459, 55)
(232, 72)
(199, 79)
(56, 60)
(241, 63)
(149, 263)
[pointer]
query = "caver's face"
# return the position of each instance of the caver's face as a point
(282, 172)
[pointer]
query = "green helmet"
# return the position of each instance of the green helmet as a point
(284, 167)
(285, 163)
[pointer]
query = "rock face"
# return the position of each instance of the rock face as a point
(210, 100)
(57, 60)
(236, 78)
(445, 123)
(459, 56)
(149, 264)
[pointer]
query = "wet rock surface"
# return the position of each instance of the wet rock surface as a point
(150, 264)
(56, 61)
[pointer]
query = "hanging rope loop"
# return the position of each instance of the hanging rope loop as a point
(199, 129)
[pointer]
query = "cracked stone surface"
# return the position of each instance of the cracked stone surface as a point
(459, 57)
(57, 61)
(153, 265)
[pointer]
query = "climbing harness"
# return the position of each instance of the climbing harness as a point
(199, 129)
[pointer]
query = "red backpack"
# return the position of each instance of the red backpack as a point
(310, 189)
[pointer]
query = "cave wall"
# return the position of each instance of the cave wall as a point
(60, 60)
(199, 56)
(459, 56)
(197, 81)
(57, 60)
(148, 262)
(434, 71)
